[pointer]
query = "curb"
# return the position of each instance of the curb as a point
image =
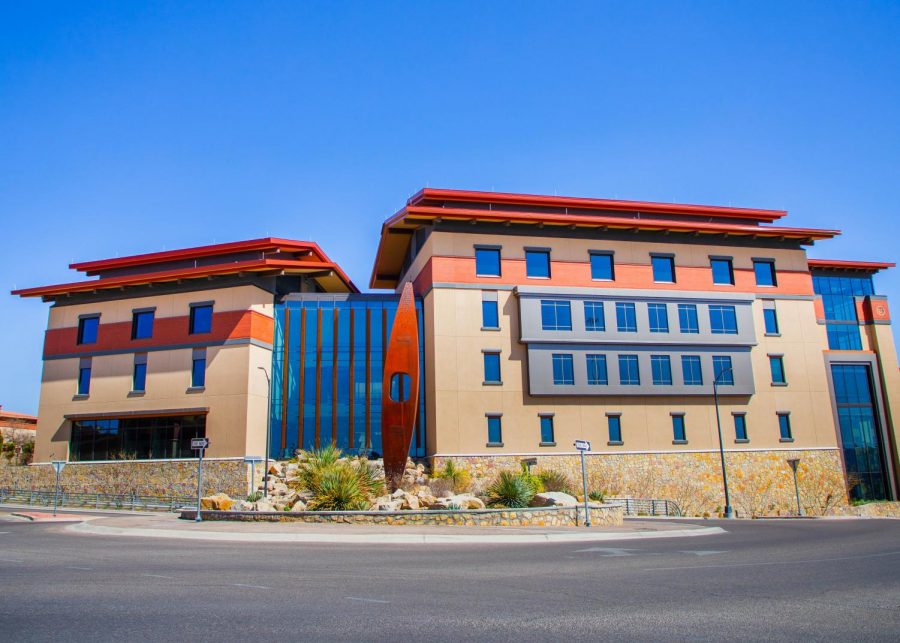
(392, 539)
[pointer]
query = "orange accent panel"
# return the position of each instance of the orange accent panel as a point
(819, 307)
(869, 310)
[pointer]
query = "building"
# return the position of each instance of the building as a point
(543, 320)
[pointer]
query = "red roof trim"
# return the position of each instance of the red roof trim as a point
(595, 204)
(844, 264)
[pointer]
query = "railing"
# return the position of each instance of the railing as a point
(130, 501)
(646, 506)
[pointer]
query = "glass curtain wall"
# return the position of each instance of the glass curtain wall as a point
(841, 322)
(135, 438)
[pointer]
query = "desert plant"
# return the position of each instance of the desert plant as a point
(338, 488)
(370, 481)
(596, 496)
(510, 489)
(459, 478)
(9, 450)
(555, 481)
(255, 496)
(533, 480)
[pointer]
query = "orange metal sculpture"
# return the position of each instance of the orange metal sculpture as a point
(400, 389)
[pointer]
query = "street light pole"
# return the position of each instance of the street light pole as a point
(268, 429)
(729, 513)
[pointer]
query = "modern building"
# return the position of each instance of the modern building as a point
(543, 320)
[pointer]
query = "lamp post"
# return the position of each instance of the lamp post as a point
(728, 511)
(794, 462)
(268, 429)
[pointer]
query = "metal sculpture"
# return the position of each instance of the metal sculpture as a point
(400, 389)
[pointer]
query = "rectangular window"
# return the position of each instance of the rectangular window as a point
(490, 316)
(626, 319)
(770, 317)
(843, 337)
(139, 376)
(722, 320)
(740, 427)
(687, 318)
(679, 434)
(84, 376)
(594, 317)
(139, 438)
(547, 437)
(629, 371)
(764, 269)
(142, 324)
(659, 318)
(491, 368)
(722, 271)
(596, 370)
(663, 269)
(784, 427)
(537, 263)
(201, 319)
(614, 423)
(602, 266)
(495, 430)
(198, 368)
(556, 315)
(661, 365)
(487, 262)
(776, 364)
(723, 372)
(87, 329)
(691, 370)
(563, 369)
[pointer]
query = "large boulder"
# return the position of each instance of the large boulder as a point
(217, 502)
(263, 505)
(275, 468)
(466, 501)
(553, 499)
(242, 505)
(298, 506)
(279, 489)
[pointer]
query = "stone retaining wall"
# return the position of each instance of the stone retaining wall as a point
(760, 482)
(601, 515)
(875, 510)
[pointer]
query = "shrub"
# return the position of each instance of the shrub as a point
(27, 452)
(460, 479)
(337, 484)
(596, 496)
(555, 481)
(510, 489)
(255, 496)
(9, 450)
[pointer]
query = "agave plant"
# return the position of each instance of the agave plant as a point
(338, 489)
(510, 489)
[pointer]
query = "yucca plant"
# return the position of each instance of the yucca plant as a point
(510, 489)
(460, 479)
(338, 488)
(555, 481)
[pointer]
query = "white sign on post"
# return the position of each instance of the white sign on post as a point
(58, 465)
(582, 445)
(199, 443)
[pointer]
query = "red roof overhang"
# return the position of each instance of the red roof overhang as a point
(843, 264)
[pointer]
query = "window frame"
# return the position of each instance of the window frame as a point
(491, 357)
(691, 312)
(498, 417)
(779, 360)
(729, 381)
(612, 264)
(537, 252)
(679, 424)
(594, 306)
(743, 429)
(774, 318)
(83, 384)
(567, 364)
(626, 306)
(140, 360)
(728, 263)
(614, 418)
(772, 274)
(655, 258)
(653, 315)
(721, 312)
(136, 315)
(692, 359)
(198, 355)
(667, 361)
(546, 420)
(556, 304)
(593, 359)
(629, 358)
(192, 316)
(79, 339)
(492, 249)
(784, 422)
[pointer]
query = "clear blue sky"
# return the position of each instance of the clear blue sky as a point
(128, 128)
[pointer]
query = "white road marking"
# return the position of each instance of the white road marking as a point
(85, 569)
(4, 532)
(156, 576)
(703, 552)
(10, 560)
(608, 552)
(366, 600)
(781, 562)
(251, 586)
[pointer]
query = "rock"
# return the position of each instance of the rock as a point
(263, 505)
(242, 505)
(440, 504)
(217, 502)
(298, 506)
(385, 504)
(279, 489)
(409, 502)
(466, 501)
(425, 498)
(291, 467)
(553, 499)
(275, 468)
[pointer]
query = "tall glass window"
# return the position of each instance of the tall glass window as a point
(139, 376)
(537, 263)
(139, 438)
(691, 370)
(547, 437)
(770, 317)
(626, 318)
(659, 318)
(764, 270)
(490, 317)
(663, 269)
(723, 371)
(563, 369)
(142, 324)
(679, 434)
(487, 262)
(687, 318)
(198, 368)
(776, 365)
(784, 426)
(495, 430)
(594, 317)
(629, 370)
(602, 267)
(722, 272)
(84, 376)
(492, 368)
(556, 315)
(661, 367)
(87, 329)
(201, 319)
(596, 370)
(740, 427)
(838, 301)
(614, 425)
(722, 320)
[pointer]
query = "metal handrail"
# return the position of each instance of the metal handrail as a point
(646, 506)
(131, 501)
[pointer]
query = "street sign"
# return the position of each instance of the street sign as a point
(58, 465)
(199, 443)
(252, 459)
(582, 445)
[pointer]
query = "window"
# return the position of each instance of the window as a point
(596, 370)
(776, 364)
(843, 337)
(201, 319)
(687, 318)
(764, 269)
(87, 329)
(661, 367)
(537, 263)
(614, 423)
(594, 317)
(722, 320)
(659, 318)
(139, 438)
(629, 371)
(784, 427)
(487, 262)
(490, 314)
(547, 437)
(663, 268)
(84, 376)
(740, 427)
(495, 430)
(722, 370)
(198, 368)
(139, 376)
(142, 324)
(492, 368)
(556, 315)
(722, 271)
(691, 370)
(770, 318)
(626, 319)
(602, 267)
(563, 369)
(679, 435)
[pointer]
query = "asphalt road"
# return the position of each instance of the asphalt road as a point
(772, 580)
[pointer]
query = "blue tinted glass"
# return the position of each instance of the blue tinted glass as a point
(678, 431)
(142, 325)
(198, 372)
(784, 426)
(594, 317)
(596, 370)
(777, 366)
(860, 432)
(721, 271)
(546, 429)
(139, 380)
(487, 262)
(87, 330)
(201, 319)
(601, 266)
(491, 367)
(691, 370)
(84, 380)
(740, 427)
(556, 315)
(687, 318)
(626, 319)
(629, 371)
(663, 269)
(765, 273)
(494, 430)
(722, 320)
(489, 316)
(661, 366)
(537, 263)
(771, 320)
(563, 369)
(659, 318)
(614, 423)
(722, 370)
(844, 337)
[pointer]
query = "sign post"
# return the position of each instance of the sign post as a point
(252, 460)
(58, 466)
(582, 446)
(794, 462)
(199, 445)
